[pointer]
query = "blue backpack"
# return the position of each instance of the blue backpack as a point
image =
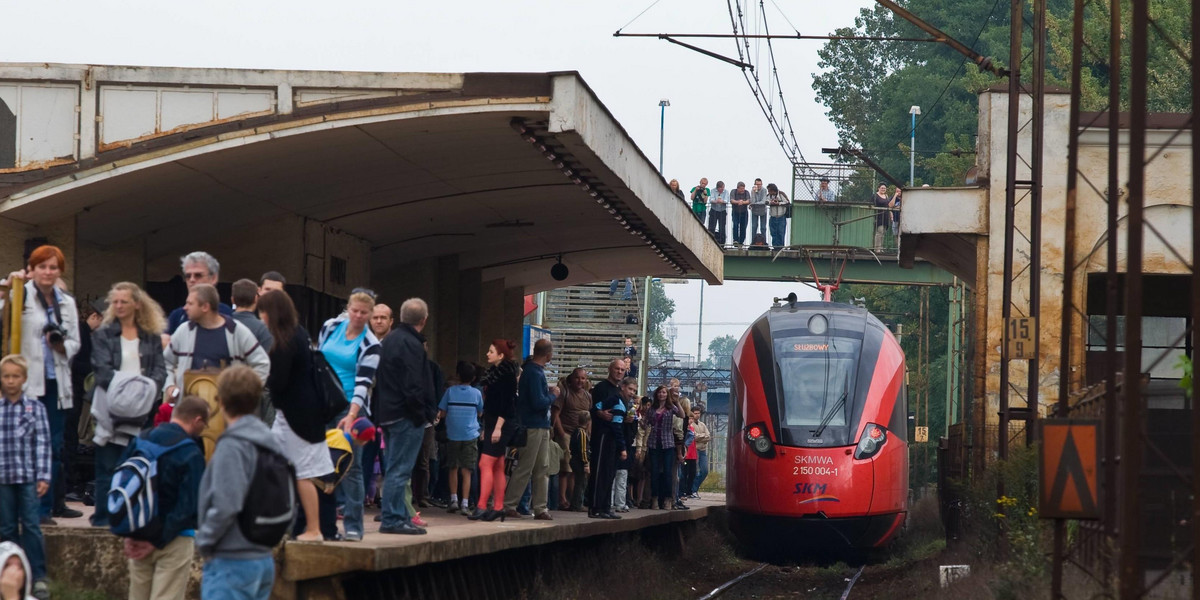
(133, 497)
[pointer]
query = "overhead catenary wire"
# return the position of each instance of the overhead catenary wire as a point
(781, 126)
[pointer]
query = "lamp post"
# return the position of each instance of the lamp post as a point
(912, 147)
(649, 282)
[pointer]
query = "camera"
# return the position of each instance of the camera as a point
(55, 332)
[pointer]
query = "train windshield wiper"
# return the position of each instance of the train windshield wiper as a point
(829, 415)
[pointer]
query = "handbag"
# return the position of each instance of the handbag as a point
(520, 437)
(329, 388)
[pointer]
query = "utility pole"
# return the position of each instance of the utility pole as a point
(912, 148)
(700, 325)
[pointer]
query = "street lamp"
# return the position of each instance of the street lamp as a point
(912, 147)
(662, 128)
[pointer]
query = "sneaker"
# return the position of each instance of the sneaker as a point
(379, 518)
(41, 590)
(680, 506)
(67, 513)
(352, 536)
(403, 529)
(46, 521)
(418, 521)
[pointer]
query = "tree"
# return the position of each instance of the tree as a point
(868, 86)
(661, 309)
(720, 350)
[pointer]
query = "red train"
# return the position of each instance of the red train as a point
(818, 444)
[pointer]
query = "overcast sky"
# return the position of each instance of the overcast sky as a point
(714, 128)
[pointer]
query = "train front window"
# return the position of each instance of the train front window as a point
(817, 376)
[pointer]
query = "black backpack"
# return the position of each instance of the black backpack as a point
(270, 506)
(329, 388)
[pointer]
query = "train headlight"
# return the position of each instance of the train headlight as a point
(873, 438)
(756, 436)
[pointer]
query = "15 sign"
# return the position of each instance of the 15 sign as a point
(1019, 338)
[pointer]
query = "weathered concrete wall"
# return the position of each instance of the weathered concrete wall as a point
(1168, 184)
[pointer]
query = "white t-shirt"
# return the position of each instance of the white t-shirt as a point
(131, 361)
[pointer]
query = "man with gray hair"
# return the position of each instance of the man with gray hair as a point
(198, 267)
(405, 400)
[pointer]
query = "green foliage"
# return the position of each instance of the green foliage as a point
(661, 309)
(949, 167)
(868, 86)
(1185, 364)
(1168, 88)
(1007, 531)
(720, 349)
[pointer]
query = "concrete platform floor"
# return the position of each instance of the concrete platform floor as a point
(90, 557)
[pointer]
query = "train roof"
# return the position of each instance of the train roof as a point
(786, 315)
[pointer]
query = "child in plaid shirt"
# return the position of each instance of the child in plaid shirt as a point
(24, 467)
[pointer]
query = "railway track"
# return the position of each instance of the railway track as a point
(729, 588)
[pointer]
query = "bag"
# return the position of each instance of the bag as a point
(270, 506)
(520, 437)
(329, 388)
(133, 498)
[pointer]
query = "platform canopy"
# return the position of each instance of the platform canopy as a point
(506, 171)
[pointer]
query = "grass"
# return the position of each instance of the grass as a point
(61, 591)
(715, 482)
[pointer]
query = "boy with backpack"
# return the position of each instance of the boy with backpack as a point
(247, 497)
(160, 551)
(24, 467)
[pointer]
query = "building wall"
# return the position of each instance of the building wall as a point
(1168, 185)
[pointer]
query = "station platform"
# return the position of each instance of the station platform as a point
(89, 558)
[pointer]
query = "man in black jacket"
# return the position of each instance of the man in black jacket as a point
(405, 402)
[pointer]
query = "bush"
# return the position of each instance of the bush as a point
(1006, 531)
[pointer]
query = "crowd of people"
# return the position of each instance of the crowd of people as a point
(761, 211)
(320, 428)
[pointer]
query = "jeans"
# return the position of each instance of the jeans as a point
(620, 489)
(739, 225)
(19, 509)
(612, 287)
(701, 470)
(526, 498)
(371, 452)
(778, 226)
(531, 469)
(58, 424)
(716, 225)
(688, 478)
(662, 461)
(879, 229)
(108, 458)
(403, 442)
(758, 225)
(238, 579)
(352, 492)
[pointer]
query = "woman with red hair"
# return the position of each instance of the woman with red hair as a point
(49, 339)
(499, 414)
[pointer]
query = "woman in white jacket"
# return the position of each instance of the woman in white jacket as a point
(49, 339)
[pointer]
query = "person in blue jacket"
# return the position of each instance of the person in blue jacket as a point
(534, 397)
